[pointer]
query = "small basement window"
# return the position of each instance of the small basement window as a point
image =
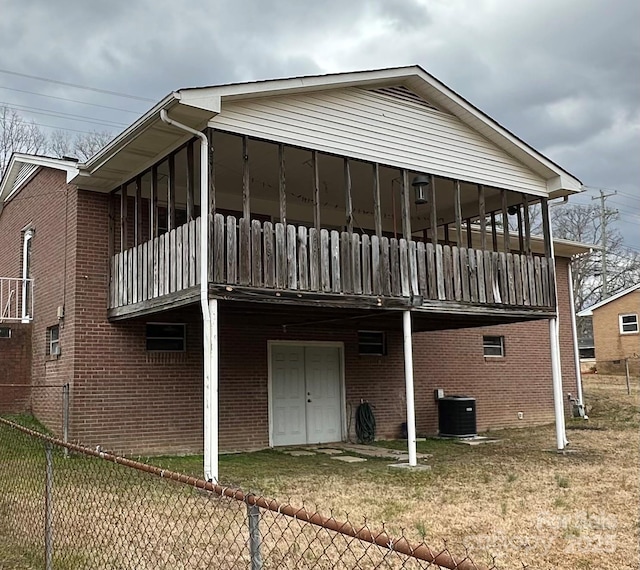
(372, 343)
(166, 337)
(53, 340)
(5, 332)
(628, 324)
(493, 346)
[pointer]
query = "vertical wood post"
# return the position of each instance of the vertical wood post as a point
(246, 205)
(406, 205)
(112, 237)
(348, 202)
(494, 232)
(138, 212)
(546, 228)
(211, 165)
(376, 199)
(626, 371)
(458, 213)
(505, 222)
(211, 423)
(282, 185)
(153, 203)
(171, 190)
(469, 237)
(190, 181)
(483, 218)
(434, 211)
(316, 191)
(527, 224)
(408, 375)
(520, 231)
(123, 217)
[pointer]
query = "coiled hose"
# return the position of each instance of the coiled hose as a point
(365, 423)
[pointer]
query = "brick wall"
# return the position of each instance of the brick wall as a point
(47, 205)
(609, 343)
(15, 368)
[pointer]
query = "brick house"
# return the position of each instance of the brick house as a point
(615, 331)
(354, 249)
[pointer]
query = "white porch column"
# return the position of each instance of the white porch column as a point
(408, 374)
(554, 342)
(210, 345)
(574, 330)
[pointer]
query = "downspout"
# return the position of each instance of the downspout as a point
(209, 309)
(574, 330)
(556, 370)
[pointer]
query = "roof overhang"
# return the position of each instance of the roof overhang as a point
(139, 146)
(16, 175)
(136, 148)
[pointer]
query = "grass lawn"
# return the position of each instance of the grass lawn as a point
(516, 499)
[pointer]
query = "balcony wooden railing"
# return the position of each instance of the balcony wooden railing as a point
(264, 255)
(16, 299)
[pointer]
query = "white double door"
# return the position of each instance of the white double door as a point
(306, 402)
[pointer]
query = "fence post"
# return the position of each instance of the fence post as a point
(65, 416)
(48, 508)
(253, 518)
(626, 370)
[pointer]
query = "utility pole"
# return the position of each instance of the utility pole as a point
(603, 223)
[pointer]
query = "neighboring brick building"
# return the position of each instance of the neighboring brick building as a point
(306, 323)
(616, 331)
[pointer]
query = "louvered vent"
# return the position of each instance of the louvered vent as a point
(25, 171)
(401, 93)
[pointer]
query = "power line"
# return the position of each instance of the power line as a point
(55, 127)
(62, 115)
(67, 99)
(77, 86)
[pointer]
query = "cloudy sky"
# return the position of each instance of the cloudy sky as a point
(564, 75)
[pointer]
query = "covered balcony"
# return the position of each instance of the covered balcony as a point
(295, 226)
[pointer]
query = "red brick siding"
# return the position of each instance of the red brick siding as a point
(15, 368)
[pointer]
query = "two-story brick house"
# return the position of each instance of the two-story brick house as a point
(276, 252)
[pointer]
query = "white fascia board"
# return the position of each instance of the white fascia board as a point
(200, 100)
(123, 139)
(7, 191)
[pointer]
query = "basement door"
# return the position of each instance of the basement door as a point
(305, 394)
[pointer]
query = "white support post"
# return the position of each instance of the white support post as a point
(556, 370)
(408, 374)
(210, 343)
(574, 330)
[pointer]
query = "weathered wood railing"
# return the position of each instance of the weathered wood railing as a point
(264, 255)
(158, 267)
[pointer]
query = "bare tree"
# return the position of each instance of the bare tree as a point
(83, 146)
(18, 135)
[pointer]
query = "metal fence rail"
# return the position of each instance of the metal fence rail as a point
(98, 510)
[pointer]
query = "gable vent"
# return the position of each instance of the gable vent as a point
(403, 94)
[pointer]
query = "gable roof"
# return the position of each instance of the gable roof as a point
(22, 167)
(138, 145)
(589, 311)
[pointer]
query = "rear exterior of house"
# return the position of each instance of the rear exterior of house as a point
(616, 331)
(336, 207)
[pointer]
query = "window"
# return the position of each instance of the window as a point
(53, 340)
(628, 324)
(5, 332)
(493, 346)
(372, 343)
(166, 337)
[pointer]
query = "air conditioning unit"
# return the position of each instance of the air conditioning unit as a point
(457, 416)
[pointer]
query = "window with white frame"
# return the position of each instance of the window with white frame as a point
(493, 346)
(27, 289)
(166, 337)
(53, 340)
(628, 323)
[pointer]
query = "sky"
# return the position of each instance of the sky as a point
(564, 75)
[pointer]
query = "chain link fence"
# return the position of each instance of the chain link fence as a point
(67, 506)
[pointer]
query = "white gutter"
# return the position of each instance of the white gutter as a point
(574, 330)
(209, 312)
